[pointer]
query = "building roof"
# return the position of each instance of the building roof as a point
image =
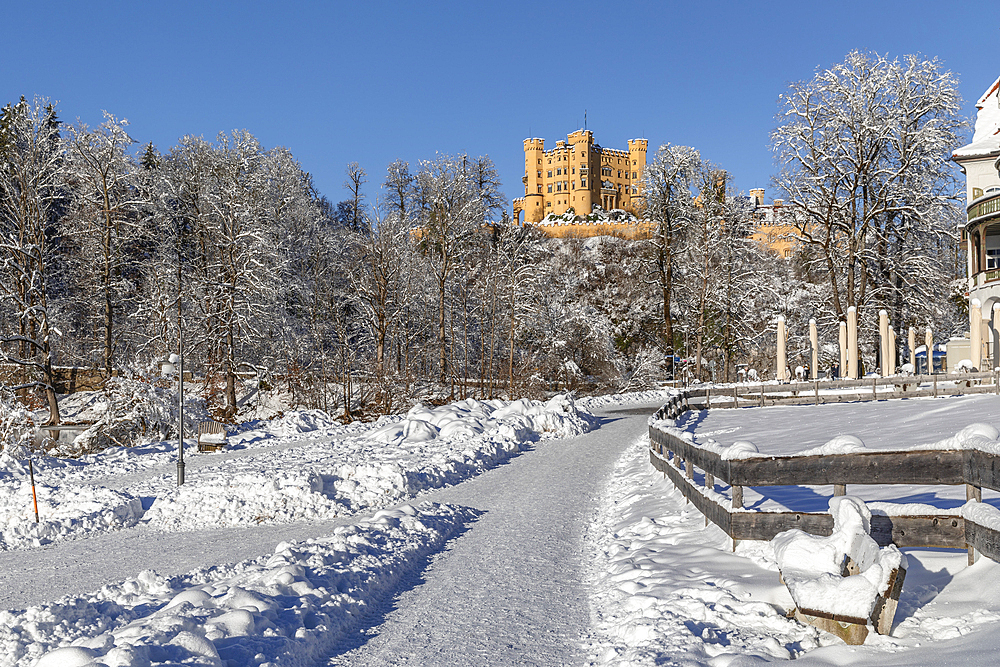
(986, 140)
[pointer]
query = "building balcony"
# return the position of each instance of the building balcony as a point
(984, 208)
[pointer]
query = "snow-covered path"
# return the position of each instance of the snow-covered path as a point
(510, 591)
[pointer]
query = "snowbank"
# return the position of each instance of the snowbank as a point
(63, 515)
(302, 466)
(663, 585)
(290, 608)
(395, 459)
(652, 396)
(812, 566)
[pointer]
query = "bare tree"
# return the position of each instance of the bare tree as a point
(863, 148)
(105, 221)
(32, 190)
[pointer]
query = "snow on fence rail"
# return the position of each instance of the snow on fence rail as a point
(677, 459)
(881, 388)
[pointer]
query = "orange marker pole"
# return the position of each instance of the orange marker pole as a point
(34, 496)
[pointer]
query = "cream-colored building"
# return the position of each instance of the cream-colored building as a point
(579, 175)
(980, 162)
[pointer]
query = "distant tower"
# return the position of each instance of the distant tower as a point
(582, 142)
(534, 150)
(637, 165)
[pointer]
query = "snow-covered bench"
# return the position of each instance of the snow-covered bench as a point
(843, 584)
(211, 436)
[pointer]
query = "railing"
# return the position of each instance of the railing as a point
(984, 208)
(677, 459)
(808, 392)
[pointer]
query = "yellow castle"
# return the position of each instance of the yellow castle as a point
(579, 174)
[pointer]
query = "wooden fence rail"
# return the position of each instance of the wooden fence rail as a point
(677, 459)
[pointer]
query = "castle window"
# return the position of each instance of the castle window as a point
(550, 188)
(574, 185)
(550, 173)
(559, 186)
(583, 182)
(539, 189)
(634, 175)
(539, 174)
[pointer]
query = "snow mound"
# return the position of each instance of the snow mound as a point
(242, 499)
(811, 566)
(289, 608)
(741, 449)
(841, 444)
(301, 421)
(652, 396)
(62, 514)
(519, 420)
(985, 515)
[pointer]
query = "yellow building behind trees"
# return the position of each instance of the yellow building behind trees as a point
(579, 175)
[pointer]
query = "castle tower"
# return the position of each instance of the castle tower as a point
(534, 200)
(582, 142)
(637, 166)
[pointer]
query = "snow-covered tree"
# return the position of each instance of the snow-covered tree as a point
(32, 196)
(669, 204)
(105, 225)
(863, 148)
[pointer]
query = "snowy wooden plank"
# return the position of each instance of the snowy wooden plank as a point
(985, 540)
(916, 467)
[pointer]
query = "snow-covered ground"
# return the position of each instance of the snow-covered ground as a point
(300, 467)
(896, 424)
(667, 589)
(538, 541)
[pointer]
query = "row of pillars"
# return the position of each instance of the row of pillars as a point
(980, 322)
(849, 345)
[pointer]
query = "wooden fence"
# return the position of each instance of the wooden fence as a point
(677, 459)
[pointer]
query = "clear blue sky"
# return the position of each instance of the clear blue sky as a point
(373, 81)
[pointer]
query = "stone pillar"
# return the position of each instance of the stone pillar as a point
(892, 351)
(814, 340)
(975, 334)
(996, 335)
(929, 344)
(984, 356)
(883, 338)
(782, 362)
(852, 343)
(843, 349)
(912, 342)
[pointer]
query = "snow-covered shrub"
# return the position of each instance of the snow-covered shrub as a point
(131, 411)
(17, 426)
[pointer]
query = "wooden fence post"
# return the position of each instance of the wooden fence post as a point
(709, 481)
(840, 489)
(935, 386)
(973, 493)
(737, 492)
(708, 398)
(817, 392)
(761, 394)
(874, 389)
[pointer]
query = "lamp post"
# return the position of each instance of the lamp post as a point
(178, 362)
